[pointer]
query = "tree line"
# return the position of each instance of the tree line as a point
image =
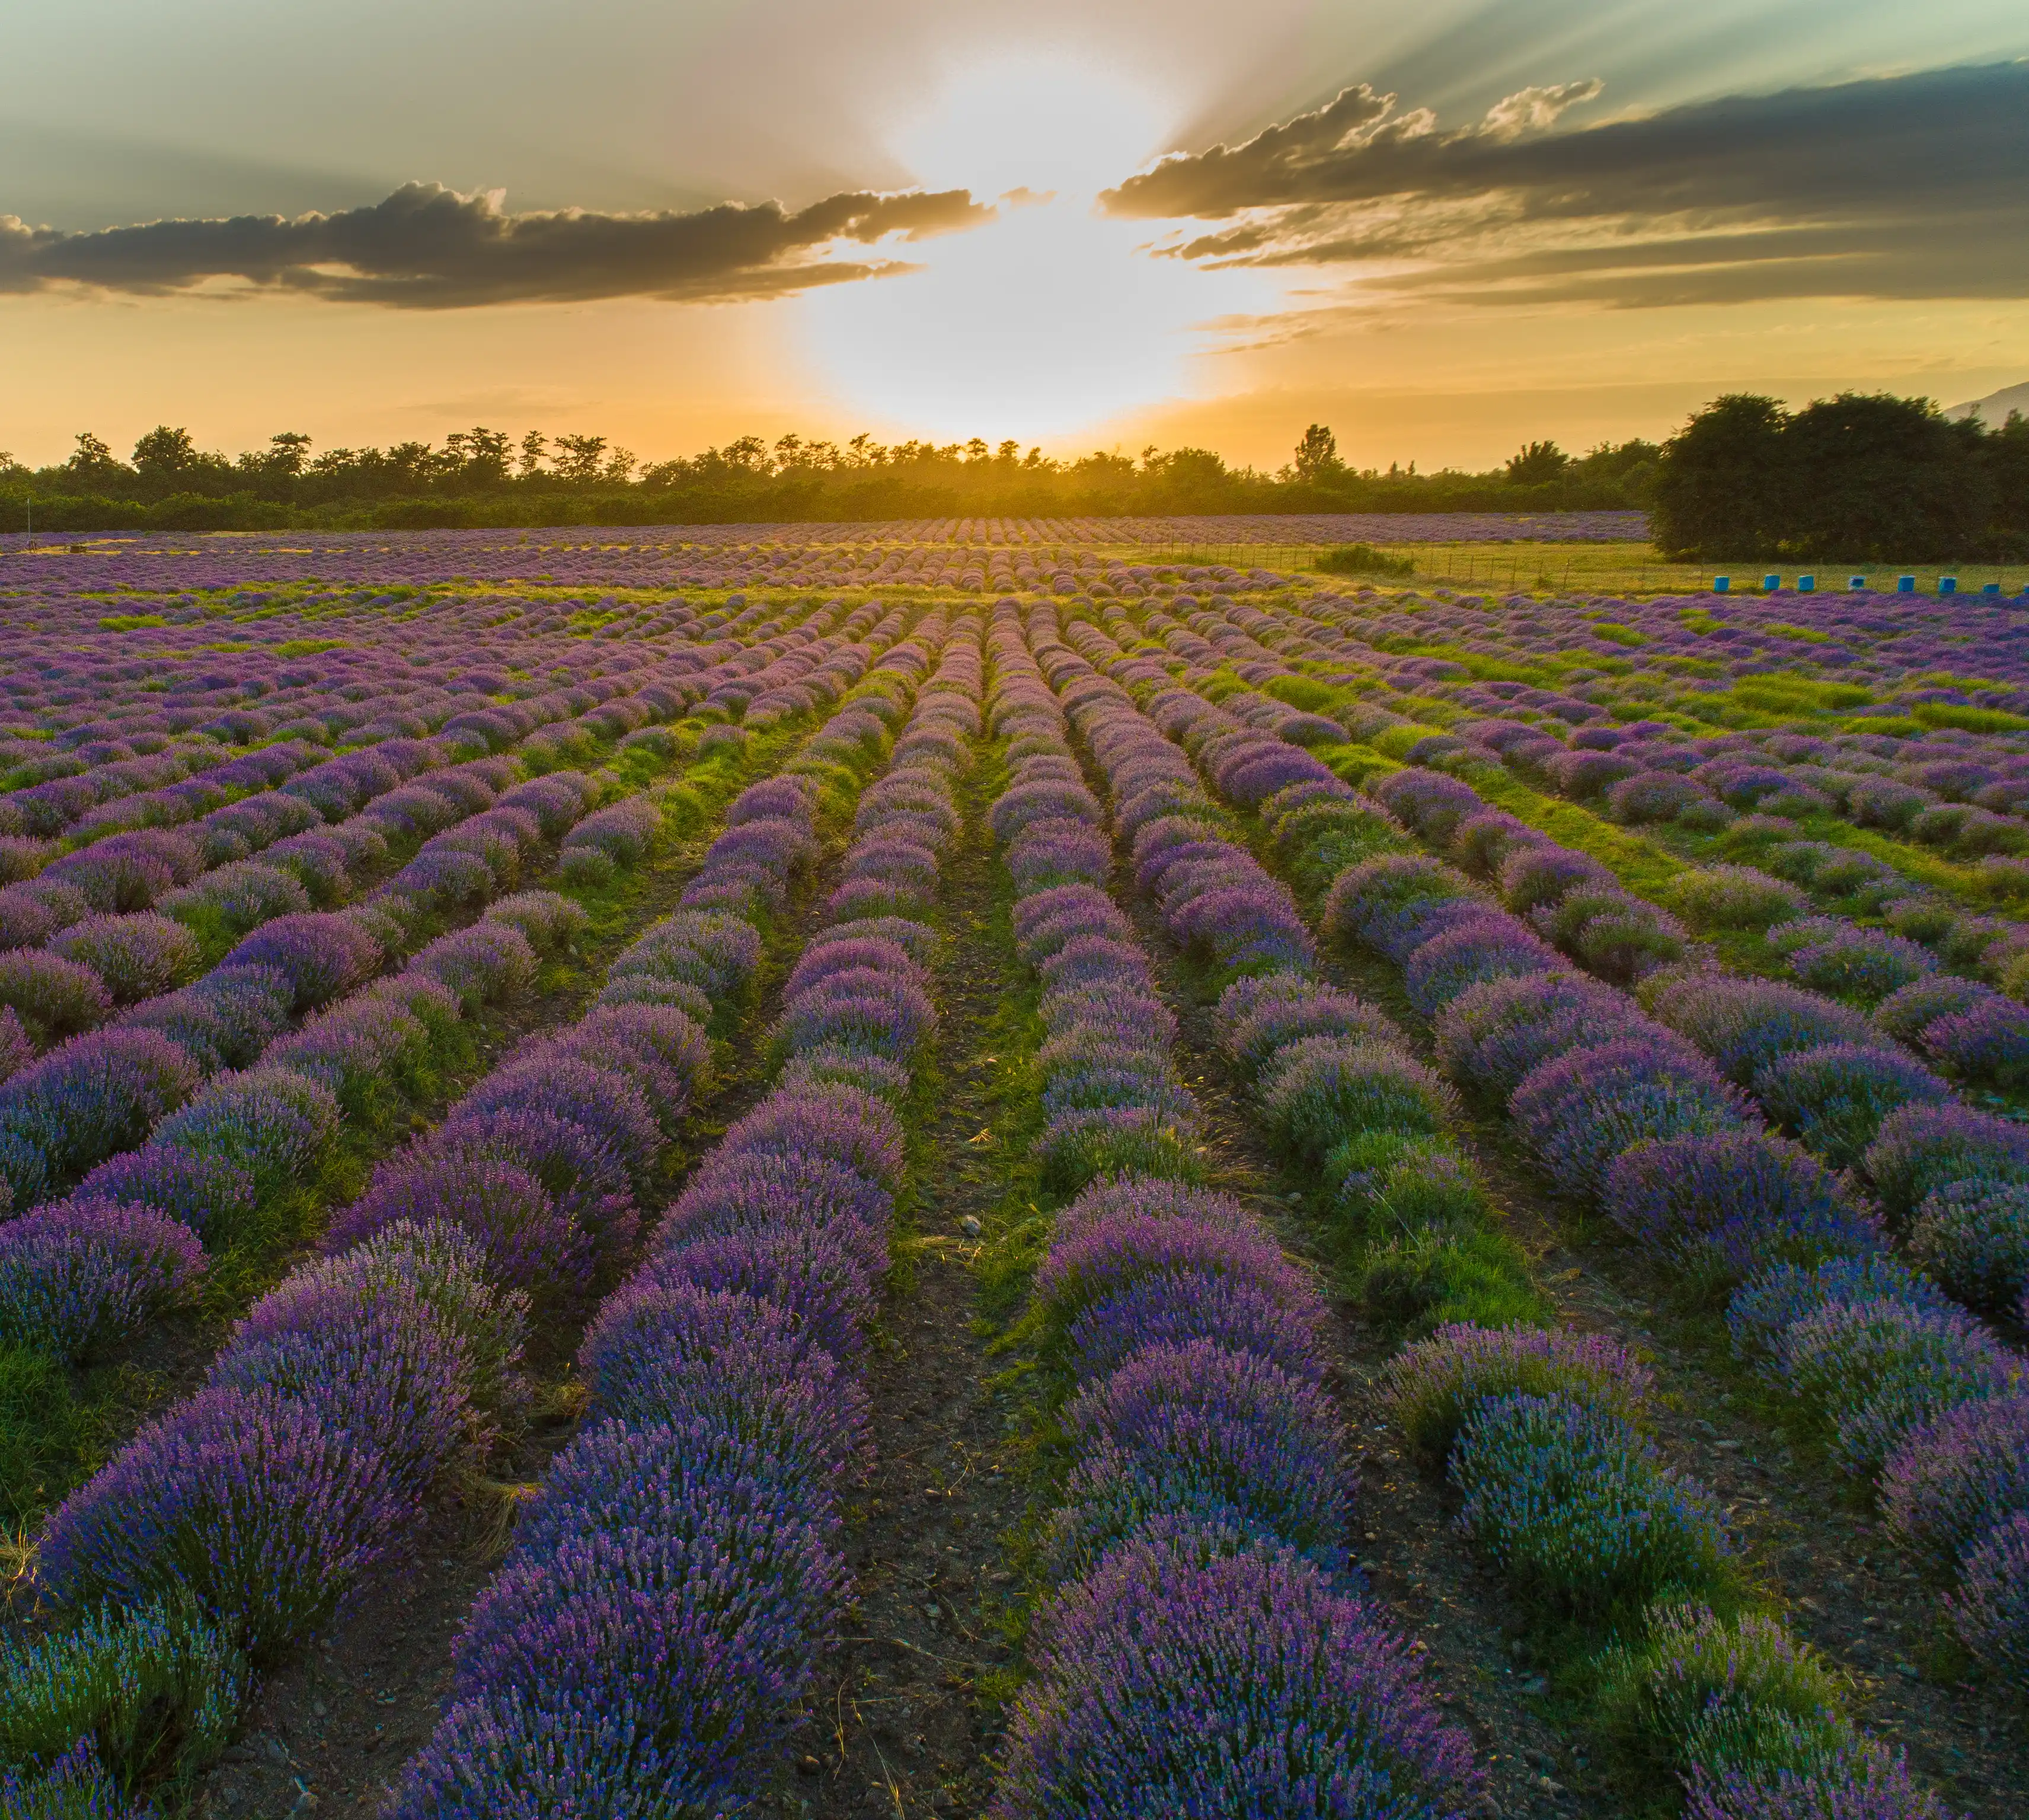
(484, 476)
(1867, 478)
(1858, 477)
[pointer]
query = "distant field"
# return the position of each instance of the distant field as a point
(1597, 552)
(1634, 568)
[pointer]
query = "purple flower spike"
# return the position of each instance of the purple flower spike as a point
(1183, 1678)
(247, 1501)
(82, 1274)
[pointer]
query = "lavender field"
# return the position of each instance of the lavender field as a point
(971, 1169)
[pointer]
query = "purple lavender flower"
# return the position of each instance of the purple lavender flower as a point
(1322, 1089)
(1576, 1508)
(840, 1123)
(321, 956)
(1184, 1676)
(87, 1098)
(1492, 1035)
(1924, 1147)
(695, 1610)
(1862, 1785)
(814, 1277)
(52, 997)
(134, 955)
(605, 1104)
(1539, 875)
(1579, 1112)
(1724, 1206)
(267, 1121)
(1495, 946)
(1193, 1430)
(671, 1352)
(380, 1370)
(246, 1501)
(1951, 1482)
(82, 1274)
(1428, 802)
(1874, 1371)
(1835, 1096)
(581, 1169)
(1434, 1385)
(206, 1194)
(1990, 1607)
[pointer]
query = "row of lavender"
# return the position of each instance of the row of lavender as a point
(1203, 1645)
(80, 1104)
(1909, 1392)
(232, 1167)
(650, 1637)
(104, 733)
(237, 1526)
(1537, 1431)
(735, 555)
(121, 918)
(1835, 1103)
(1942, 785)
(1906, 1388)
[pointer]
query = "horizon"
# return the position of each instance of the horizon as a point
(1443, 232)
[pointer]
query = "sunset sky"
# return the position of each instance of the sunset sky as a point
(1439, 228)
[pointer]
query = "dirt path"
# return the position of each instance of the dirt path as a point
(1414, 1561)
(901, 1728)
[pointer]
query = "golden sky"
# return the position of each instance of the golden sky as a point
(1441, 229)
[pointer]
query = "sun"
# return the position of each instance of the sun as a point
(1049, 319)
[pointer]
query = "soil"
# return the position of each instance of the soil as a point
(902, 1725)
(1414, 1562)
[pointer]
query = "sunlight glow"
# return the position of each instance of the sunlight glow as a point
(1049, 319)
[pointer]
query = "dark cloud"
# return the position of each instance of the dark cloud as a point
(1911, 186)
(428, 247)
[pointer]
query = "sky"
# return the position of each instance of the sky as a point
(1441, 228)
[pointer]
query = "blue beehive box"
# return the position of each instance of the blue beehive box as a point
(1723, 585)
(1905, 585)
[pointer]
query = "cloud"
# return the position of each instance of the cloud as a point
(1914, 186)
(428, 247)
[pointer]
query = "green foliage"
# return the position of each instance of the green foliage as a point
(156, 1690)
(1409, 1287)
(1364, 559)
(43, 1432)
(1702, 1690)
(1857, 477)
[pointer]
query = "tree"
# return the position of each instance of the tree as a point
(288, 453)
(2004, 456)
(580, 458)
(92, 467)
(481, 456)
(1720, 482)
(164, 453)
(1317, 456)
(535, 450)
(1538, 464)
(1874, 478)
